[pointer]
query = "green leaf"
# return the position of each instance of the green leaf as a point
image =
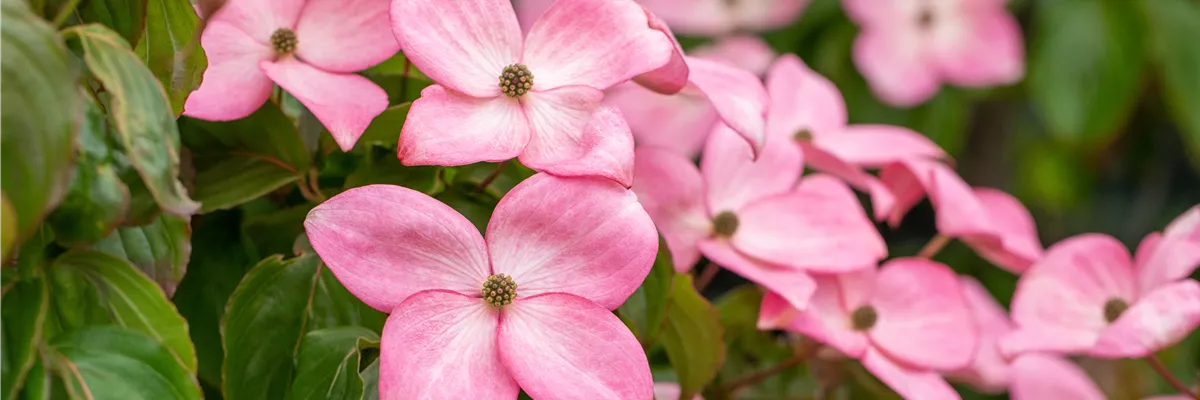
(159, 249)
(238, 179)
(270, 232)
(75, 304)
(108, 362)
(169, 47)
(1086, 66)
(646, 308)
(133, 300)
(97, 199)
(39, 119)
(24, 308)
(328, 362)
(8, 227)
(1174, 29)
(141, 113)
(385, 129)
(370, 377)
(333, 306)
(379, 166)
(126, 17)
(693, 337)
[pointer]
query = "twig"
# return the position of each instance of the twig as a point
(934, 246)
(706, 275)
(1171, 379)
(491, 177)
(315, 184)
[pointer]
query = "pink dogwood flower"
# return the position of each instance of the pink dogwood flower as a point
(1040, 377)
(1087, 296)
(527, 306)
(702, 17)
(989, 371)
(907, 48)
(501, 96)
(991, 222)
(905, 322)
(311, 48)
(751, 217)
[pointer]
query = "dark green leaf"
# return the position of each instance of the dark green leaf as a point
(39, 119)
(1175, 25)
(273, 232)
(133, 300)
(24, 310)
(370, 377)
(1086, 65)
(75, 302)
(693, 337)
(333, 306)
(646, 308)
(159, 249)
(170, 50)
(126, 17)
(385, 129)
(108, 362)
(476, 207)
(93, 207)
(379, 166)
(328, 361)
(238, 179)
(8, 227)
(141, 112)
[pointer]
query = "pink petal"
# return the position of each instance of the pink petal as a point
(819, 226)
(385, 243)
(906, 191)
(802, 100)
(767, 15)
(1157, 321)
(442, 345)
(895, 63)
(694, 17)
(795, 286)
(736, 94)
(1015, 245)
(345, 36)
(988, 371)
(747, 52)
(448, 128)
(1038, 377)
(824, 320)
(597, 43)
(584, 236)
(344, 103)
(559, 346)
(872, 12)
(876, 145)
(570, 140)
(733, 178)
(857, 287)
(982, 48)
(528, 11)
(923, 316)
(669, 78)
(233, 58)
(908, 382)
(669, 391)
(679, 123)
(669, 188)
(1066, 291)
(463, 45)
(1175, 255)
(258, 19)
(882, 198)
(1046, 340)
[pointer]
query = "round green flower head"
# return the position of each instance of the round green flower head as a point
(499, 290)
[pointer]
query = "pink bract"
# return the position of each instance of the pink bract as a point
(575, 249)
(701, 17)
(905, 322)
(1087, 296)
(330, 40)
(908, 48)
(500, 95)
(1041, 376)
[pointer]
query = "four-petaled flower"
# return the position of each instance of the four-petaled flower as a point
(527, 307)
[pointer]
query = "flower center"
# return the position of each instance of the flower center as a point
(925, 18)
(1113, 308)
(863, 318)
(499, 290)
(725, 224)
(284, 41)
(803, 135)
(516, 80)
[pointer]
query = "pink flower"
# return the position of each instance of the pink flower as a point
(1087, 296)
(525, 308)
(907, 48)
(1041, 377)
(988, 370)
(723, 87)
(751, 216)
(309, 47)
(904, 322)
(669, 391)
(702, 17)
(991, 222)
(501, 96)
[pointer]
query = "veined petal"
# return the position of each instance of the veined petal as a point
(679, 123)
(895, 63)
(1158, 320)
(463, 45)
(442, 345)
(344, 103)
(604, 148)
(584, 236)
(1015, 245)
(597, 43)
(825, 319)
(802, 100)
(1040, 376)
(1052, 340)
(233, 57)
(448, 128)
(882, 198)
(258, 19)
(669, 188)
(345, 35)
(560, 346)
(923, 316)
(877, 145)
(695, 17)
(1175, 255)
(909, 382)
(736, 94)
(669, 78)
(733, 178)
(795, 286)
(386, 242)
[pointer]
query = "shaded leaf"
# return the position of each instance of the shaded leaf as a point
(370, 377)
(1174, 29)
(266, 233)
(8, 227)
(97, 199)
(238, 179)
(385, 129)
(108, 362)
(334, 306)
(692, 337)
(328, 362)
(171, 27)
(159, 249)
(646, 308)
(126, 17)
(24, 309)
(379, 166)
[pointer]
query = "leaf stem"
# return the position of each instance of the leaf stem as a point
(65, 12)
(706, 275)
(315, 184)
(1161, 369)
(491, 177)
(934, 246)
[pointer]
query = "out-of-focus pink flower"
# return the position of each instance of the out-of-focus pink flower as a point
(751, 217)
(310, 48)
(991, 222)
(1041, 377)
(1087, 296)
(669, 391)
(701, 17)
(501, 96)
(988, 370)
(905, 322)
(525, 308)
(908, 48)
(723, 87)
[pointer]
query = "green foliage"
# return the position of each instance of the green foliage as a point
(159, 249)
(692, 337)
(328, 363)
(116, 363)
(1174, 25)
(645, 311)
(24, 308)
(170, 47)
